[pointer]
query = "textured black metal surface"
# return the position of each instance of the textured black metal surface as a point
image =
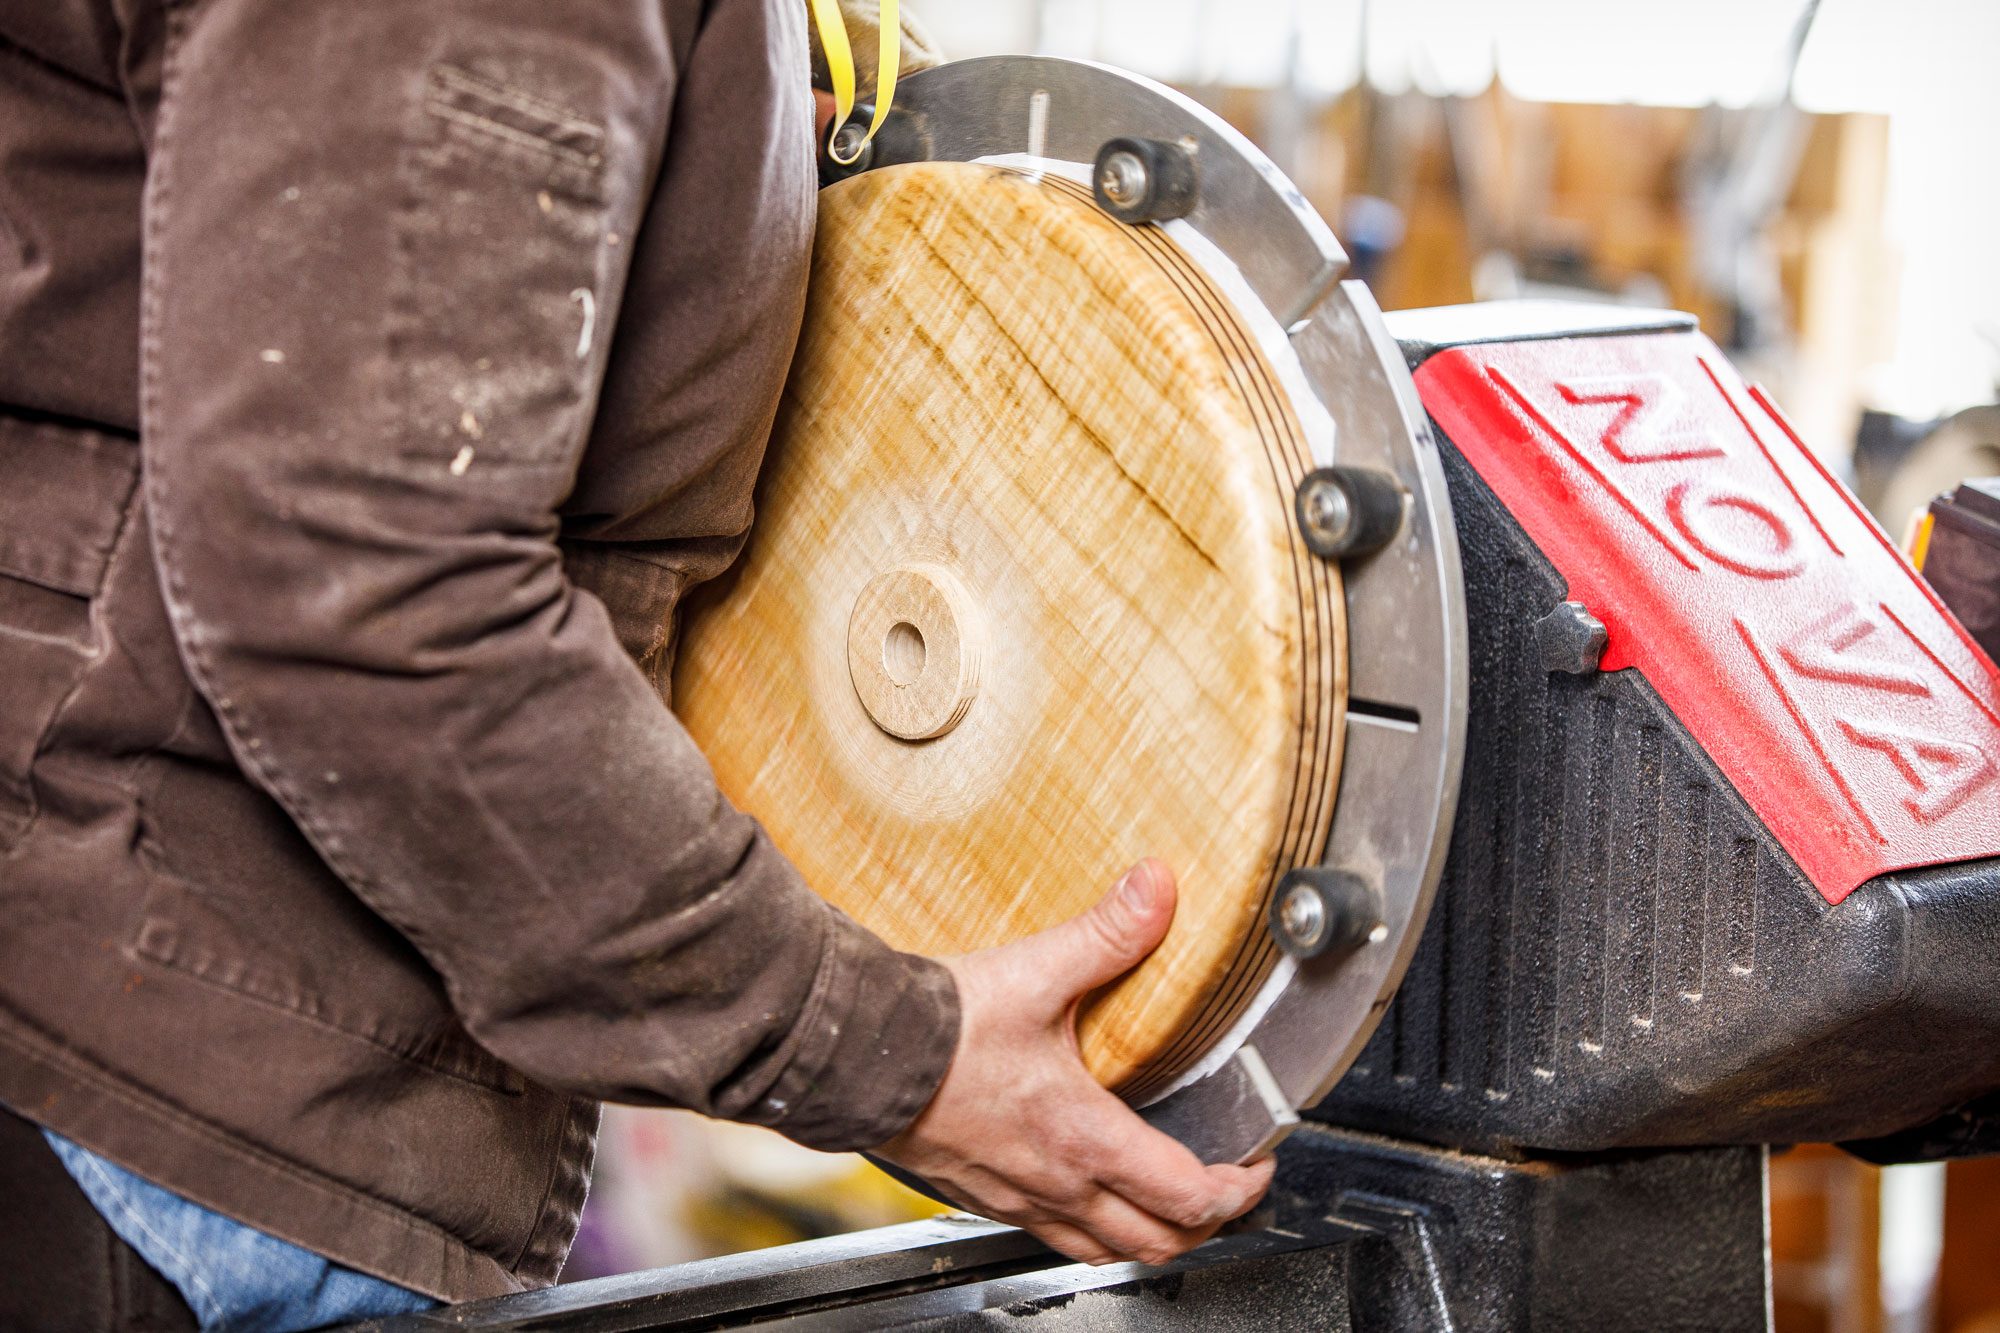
(1667, 1241)
(1621, 955)
(1368, 1235)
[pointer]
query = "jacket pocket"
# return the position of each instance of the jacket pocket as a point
(63, 495)
(501, 243)
(370, 990)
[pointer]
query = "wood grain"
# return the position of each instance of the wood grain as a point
(1058, 422)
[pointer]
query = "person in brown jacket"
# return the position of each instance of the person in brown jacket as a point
(375, 378)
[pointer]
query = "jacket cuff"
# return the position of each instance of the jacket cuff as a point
(878, 1035)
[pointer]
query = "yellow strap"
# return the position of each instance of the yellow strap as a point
(1917, 545)
(840, 65)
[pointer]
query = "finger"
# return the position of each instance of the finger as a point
(1107, 941)
(1260, 1173)
(1003, 1203)
(1160, 1176)
(1212, 1196)
(1134, 1234)
(823, 108)
(1071, 1242)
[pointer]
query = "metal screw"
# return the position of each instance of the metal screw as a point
(1319, 910)
(1122, 177)
(1302, 916)
(1326, 511)
(1348, 512)
(1144, 180)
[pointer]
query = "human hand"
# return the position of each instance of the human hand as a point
(823, 106)
(1019, 1131)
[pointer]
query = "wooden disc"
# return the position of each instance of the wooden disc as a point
(1025, 601)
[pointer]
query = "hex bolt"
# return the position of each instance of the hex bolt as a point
(1572, 640)
(1317, 910)
(1144, 180)
(1345, 512)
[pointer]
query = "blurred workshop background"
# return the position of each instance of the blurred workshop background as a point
(1820, 184)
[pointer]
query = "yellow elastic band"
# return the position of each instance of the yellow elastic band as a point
(840, 65)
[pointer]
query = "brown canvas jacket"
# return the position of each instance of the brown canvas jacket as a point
(374, 379)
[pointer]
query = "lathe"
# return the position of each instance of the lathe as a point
(1573, 791)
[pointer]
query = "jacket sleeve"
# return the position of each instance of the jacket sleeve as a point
(385, 247)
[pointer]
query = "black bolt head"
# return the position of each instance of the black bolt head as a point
(1144, 180)
(1318, 910)
(1346, 512)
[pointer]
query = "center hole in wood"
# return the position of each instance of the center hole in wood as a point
(903, 652)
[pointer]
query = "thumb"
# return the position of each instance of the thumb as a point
(1111, 938)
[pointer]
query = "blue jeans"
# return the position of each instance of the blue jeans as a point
(235, 1278)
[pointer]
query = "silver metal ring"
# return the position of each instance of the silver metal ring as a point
(1405, 603)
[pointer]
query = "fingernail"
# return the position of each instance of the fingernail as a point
(1135, 890)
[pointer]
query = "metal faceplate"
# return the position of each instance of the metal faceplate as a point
(1405, 603)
